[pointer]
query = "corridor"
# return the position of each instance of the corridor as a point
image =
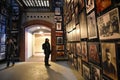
(32, 70)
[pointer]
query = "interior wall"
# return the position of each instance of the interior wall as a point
(38, 41)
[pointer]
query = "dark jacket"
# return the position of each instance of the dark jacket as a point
(46, 48)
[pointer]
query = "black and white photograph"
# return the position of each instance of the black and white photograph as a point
(91, 23)
(78, 49)
(86, 72)
(108, 25)
(109, 60)
(58, 26)
(57, 11)
(59, 40)
(89, 5)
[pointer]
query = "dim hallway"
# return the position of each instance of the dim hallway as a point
(31, 70)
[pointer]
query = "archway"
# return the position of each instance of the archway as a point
(37, 22)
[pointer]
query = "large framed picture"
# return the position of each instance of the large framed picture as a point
(91, 23)
(83, 26)
(94, 54)
(109, 25)
(109, 59)
(59, 40)
(102, 5)
(89, 5)
(86, 72)
(84, 51)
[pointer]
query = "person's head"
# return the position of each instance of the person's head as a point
(108, 55)
(46, 40)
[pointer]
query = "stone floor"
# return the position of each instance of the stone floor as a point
(59, 70)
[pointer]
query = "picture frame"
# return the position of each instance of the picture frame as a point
(94, 53)
(59, 33)
(81, 4)
(80, 65)
(109, 55)
(57, 11)
(2, 55)
(78, 33)
(59, 26)
(2, 38)
(60, 47)
(2, 48)
(92, 27)
(78, 48)
(90, 4)
(84, 51)
(102, 5)
(59, 40)
(86, 72)
(60, 54)
(58, 18)
(95, 73)
(83, 26)
(108, 25)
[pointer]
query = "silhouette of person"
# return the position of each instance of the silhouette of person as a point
(47, 51)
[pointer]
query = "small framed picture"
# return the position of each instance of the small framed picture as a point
(59, 26)
(60, 47)
(58, 18)
(57, 11)
(78, 48)
(59, 40)
(80, 65)
(89, 5)
(81, 4)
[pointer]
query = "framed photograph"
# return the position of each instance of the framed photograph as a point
(59, 40)
(2, 55)
(80, 65)
(78, 49)
(59, 33)
(84, 51)
(60, 47)
(57, 11)
(77, 30)
(109, 60)
(95, 73)
(76, 15)
(102, 5)
(109, 25)
(3, 27)
(94, 54)
(60, 54)
(83, 26)
(75, 2)
(86, 72)
(81, 4)
(58, 18)
(91, 23)
(89, 5)
(59, 26)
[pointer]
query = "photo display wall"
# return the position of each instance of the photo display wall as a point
(93, 38)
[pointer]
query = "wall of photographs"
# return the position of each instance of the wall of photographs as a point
(93, 37)
(60, 55)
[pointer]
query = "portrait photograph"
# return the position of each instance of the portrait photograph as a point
(59, 40)
(60, 47)
(83, 26)
(102, 5)
(57, 11)
(86, 72)
(109, 60)
(84, 51)
(81, 4)
(89, 5)
(78, 49)
(93, 51)
(95, 73)
(58, 26)
(108, 25)
(80, 65)
(58, 18)
(91, 23)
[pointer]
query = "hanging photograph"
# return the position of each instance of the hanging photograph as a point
(57, 11)
(83, 26)
(58, 18)
(102, 5)
(89, 5)
(60, 54)
(80, 65)
(59, 40)
(94, 54)
(86, 72)
(60, 47)
(95, 73)
(75, 2)
(78, 32)
(108, 25)
(91, 22)
(76, 15)
(81, 4)
(58, 26)
(84, 51)
(109, 60)
(78, 49)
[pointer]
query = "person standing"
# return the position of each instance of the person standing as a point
(10, 52)
(47, 51)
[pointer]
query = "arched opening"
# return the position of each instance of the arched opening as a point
(26, 32)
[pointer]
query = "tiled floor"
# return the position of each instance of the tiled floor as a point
(37, 71)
